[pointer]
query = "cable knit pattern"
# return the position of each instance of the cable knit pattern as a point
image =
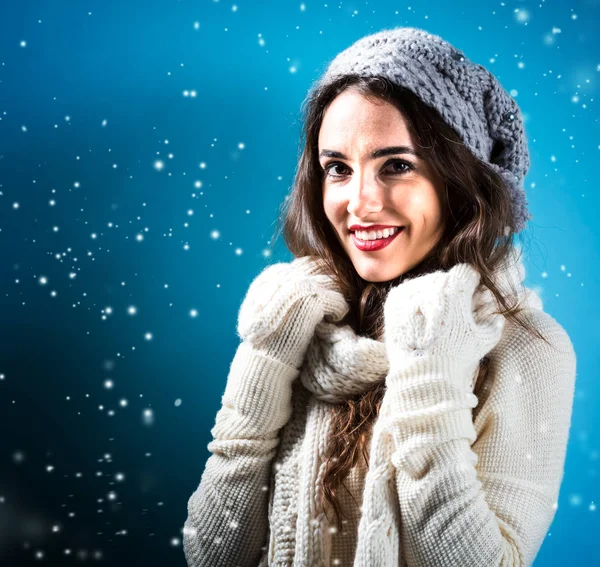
(466, 94)
(342, 545)
(454, 478)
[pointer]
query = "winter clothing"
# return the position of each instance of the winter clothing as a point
(454, 478)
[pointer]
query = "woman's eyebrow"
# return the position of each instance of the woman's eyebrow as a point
(393, 150)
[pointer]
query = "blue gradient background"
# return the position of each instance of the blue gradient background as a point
(129, 64)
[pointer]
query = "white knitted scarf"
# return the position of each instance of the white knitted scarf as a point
(338, 364)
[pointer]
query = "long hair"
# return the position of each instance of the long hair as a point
(479, 231)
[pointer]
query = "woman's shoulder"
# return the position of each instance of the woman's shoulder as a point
(531, 360)
(528, 377)
(520, 339)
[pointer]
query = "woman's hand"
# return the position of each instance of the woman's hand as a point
(441, 314)
(284, 304)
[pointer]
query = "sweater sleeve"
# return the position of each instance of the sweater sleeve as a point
(227, 523)
(483, 491)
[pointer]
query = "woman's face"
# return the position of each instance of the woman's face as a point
(394, 188)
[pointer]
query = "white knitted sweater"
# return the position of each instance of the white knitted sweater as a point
(472, 483)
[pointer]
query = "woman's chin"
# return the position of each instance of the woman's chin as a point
(373, 272)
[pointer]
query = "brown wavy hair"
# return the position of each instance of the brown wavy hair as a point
(479, 231)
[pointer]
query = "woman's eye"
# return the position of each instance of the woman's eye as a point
(394, 167)
(330, 166)
(405, 166)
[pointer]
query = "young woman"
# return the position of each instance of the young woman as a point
(398, 397)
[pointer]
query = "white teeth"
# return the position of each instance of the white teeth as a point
(376, 235)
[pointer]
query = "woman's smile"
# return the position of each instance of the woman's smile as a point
(373, 245)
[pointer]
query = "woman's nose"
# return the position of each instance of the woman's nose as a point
(366, 196)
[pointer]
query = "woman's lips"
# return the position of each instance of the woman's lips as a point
(373, 245)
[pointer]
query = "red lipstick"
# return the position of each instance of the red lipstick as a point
(373, 245)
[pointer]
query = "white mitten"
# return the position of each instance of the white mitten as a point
(440, 314)
(284, 304)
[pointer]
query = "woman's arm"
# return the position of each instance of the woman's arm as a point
(483, 493)
(227, 521)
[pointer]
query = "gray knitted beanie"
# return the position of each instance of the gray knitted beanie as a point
(467, 96)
